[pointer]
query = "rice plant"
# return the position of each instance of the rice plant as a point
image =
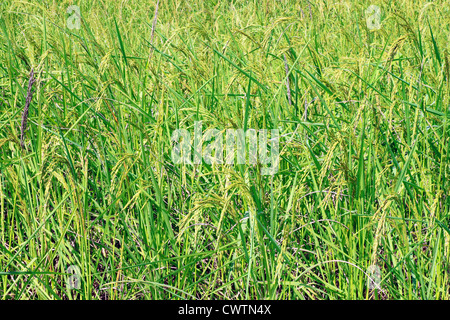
(92, 205)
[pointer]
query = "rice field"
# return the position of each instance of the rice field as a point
(93, 205)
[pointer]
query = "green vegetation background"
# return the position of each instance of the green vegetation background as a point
(364, 165)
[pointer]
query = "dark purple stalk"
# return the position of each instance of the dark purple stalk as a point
(23, 126)
(288, 87)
